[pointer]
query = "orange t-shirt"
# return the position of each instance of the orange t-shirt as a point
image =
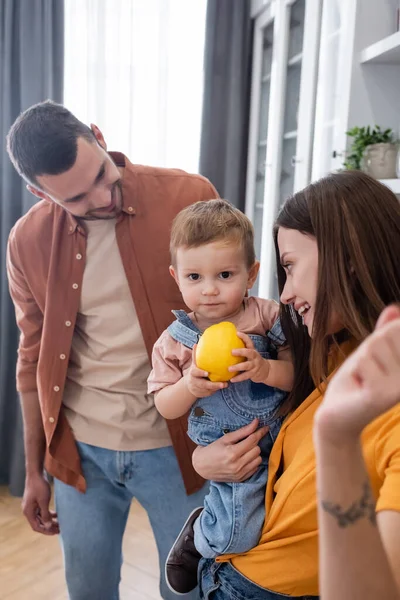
(286, 558)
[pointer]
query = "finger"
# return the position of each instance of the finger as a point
(250, 469)
(194, 350)
(236, 436)
(196, 372)
(243, 446)
(214, 386)
(245, 338)
(390, 313)
(53, 530)
(34, 521)
(243, 377)
(246, 365)
(248, 353)
(45, 515)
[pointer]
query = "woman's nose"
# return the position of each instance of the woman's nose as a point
(287, 295)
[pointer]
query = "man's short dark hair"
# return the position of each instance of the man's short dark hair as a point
(44, 140)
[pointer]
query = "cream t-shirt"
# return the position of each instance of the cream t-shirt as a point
(105, 398)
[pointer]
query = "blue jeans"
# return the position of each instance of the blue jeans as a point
(234, 513)
(92, 525)
(221, 581)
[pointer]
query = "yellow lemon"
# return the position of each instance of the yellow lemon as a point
(214, 351)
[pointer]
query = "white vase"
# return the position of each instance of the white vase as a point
(379, 160)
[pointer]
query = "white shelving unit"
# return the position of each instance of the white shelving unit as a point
(285, 65)
(386, 51)
(320, 67)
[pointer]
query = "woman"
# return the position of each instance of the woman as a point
(338, 249)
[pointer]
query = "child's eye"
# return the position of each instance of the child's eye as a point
(225, 274)
(287, 267)
(194, 276)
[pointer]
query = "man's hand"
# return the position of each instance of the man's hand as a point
(255, 367)
(35, 506)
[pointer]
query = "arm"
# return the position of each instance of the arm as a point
(276, 373)
(34, 438)
(37, 491)
(354, 562)
(175, 400)
(359, 551)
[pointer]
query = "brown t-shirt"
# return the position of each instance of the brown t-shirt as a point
(105, 397)
(45, 264)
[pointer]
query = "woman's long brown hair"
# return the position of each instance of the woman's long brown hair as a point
(356, 223)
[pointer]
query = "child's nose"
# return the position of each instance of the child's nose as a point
(210, 289)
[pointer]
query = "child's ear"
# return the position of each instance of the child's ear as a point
(174, 274)
(253, 272)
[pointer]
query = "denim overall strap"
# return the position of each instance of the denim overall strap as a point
(275, 334)
(183, 330)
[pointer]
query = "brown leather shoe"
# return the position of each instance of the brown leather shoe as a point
(183, 559)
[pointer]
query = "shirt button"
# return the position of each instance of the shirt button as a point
(68, 323)
(56, 388)
(79, 256)
(62, 356)
(75, 286)
(130, 208)
(51, 419)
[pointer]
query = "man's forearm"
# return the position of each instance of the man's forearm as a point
(34, 438)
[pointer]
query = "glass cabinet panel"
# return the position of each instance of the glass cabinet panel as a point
(265, 86)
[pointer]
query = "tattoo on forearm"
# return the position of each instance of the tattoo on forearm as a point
(364, 507)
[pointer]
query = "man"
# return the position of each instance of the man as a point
(88, 274)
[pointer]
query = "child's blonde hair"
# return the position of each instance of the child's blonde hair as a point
(210, 221)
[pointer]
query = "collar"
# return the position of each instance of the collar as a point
(120, 161)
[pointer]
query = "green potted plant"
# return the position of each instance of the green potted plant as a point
(373, 151)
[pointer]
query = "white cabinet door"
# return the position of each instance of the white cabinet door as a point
(334, 82)
(263, 58)
(291, 118)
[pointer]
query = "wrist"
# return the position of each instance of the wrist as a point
(266, 370)
(32, 474)
(187, 386)
(331, 431)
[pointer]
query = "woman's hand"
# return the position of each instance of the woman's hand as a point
(367, 384)
(232, 458)
(255, 367)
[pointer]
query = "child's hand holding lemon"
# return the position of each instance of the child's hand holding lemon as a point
(223, 352)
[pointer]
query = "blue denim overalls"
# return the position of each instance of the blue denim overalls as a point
(233, 514)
